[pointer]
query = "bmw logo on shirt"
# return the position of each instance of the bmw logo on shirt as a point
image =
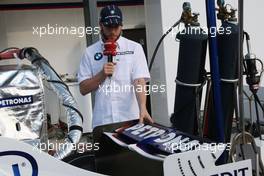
(98, 56)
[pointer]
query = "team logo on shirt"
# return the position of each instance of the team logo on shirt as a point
(125, 53)
(98, 56)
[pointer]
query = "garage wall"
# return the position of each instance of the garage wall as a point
(63, 51)
(160, 15)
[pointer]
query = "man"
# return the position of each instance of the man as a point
(115, 101)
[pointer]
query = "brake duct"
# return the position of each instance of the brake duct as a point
(74, 117)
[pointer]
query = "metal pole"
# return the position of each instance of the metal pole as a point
(90, 20)
(240, 66)
(214, 67)
(87, 20)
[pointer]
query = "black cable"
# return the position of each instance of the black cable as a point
(261, 106)
(159, 42)
(247, 35)
(236, 108)
(76, 110)
(60, 82)
(70, 139)
(242, 151)
(257, 114)
(247, 38)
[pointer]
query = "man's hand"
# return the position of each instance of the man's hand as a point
(145, 117)
(108, 69)
(142, 99)
(93, 83)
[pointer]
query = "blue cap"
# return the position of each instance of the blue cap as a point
(111, 15)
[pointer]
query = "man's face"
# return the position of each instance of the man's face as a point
(111, 33)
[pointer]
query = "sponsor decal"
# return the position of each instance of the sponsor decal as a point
(237, 172)
(98, 56)
(15, 168)
(15, 101)
(125, 53)
(161, 139)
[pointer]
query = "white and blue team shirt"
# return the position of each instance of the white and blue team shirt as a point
(115, 100)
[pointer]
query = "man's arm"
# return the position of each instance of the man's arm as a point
(93, 83)
(140, 86)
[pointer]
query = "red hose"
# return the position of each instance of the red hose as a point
(9, 54)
